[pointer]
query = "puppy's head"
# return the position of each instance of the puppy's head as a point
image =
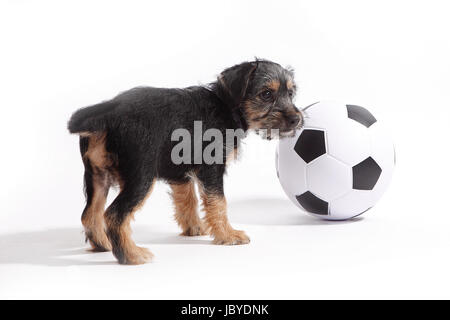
(264, 93)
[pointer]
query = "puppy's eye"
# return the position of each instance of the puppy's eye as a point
(291, 93)
(266, 95)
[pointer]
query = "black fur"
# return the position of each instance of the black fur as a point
(138, 125)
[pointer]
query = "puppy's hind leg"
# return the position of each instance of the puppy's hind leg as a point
(186, 213)
(96, 189)
(118, 217)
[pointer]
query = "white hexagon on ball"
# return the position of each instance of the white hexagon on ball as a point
(318, 180)
(354, 147)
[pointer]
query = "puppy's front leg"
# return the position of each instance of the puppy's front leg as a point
(185, 202)
(215, 207)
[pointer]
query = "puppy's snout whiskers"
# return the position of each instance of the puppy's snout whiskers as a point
(303, 116)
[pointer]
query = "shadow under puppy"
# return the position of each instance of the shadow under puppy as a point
(127, 142)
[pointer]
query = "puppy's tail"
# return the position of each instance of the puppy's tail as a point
(91, 119)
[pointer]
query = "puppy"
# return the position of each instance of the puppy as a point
(128, 141)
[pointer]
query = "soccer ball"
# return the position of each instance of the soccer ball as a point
(339, 164)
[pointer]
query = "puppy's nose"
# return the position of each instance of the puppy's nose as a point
(294, 120)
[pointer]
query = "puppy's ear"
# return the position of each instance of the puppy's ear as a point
(234, 81)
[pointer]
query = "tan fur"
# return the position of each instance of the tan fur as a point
(134, 254)
(93, 220)
(215, 208)
(185, 202)
(101, 160)
(274, 85)
(97, 153)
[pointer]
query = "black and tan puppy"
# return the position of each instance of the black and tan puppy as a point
(127, 142)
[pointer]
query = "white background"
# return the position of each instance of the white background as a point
(390, 56)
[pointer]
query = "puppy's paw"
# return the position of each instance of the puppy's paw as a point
(198, 230)
(98, 240)
(235, 237)
(137, 256)
(99, 247)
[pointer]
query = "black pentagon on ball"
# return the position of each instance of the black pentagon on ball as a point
(310, 144)
(312, 204)
(366, 174)
(361, 115)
